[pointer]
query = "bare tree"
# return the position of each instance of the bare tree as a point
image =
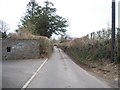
(4, 27)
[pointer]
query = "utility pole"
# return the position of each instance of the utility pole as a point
(113, 33)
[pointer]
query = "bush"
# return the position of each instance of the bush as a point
(45, 44)
(46, 47)
(118, 46)
(93, 49)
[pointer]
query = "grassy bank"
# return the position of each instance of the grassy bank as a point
(94, 53)
(46, 47)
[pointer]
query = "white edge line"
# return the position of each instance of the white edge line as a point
(33, 76)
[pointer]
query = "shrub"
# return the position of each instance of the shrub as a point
(45, 44)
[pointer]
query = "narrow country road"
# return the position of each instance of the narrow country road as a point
(15, 73)
(61, 72)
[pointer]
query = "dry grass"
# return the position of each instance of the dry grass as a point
(90, 53)
(45, 44)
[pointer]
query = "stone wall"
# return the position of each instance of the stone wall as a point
(13, 49)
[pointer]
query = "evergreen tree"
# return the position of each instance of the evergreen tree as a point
(45, 19)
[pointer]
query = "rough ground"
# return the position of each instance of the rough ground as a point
(105, 71)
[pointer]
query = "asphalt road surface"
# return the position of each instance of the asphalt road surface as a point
(61, 72)
(58, 72)
(15, 73)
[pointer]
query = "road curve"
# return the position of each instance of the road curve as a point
(61, 72)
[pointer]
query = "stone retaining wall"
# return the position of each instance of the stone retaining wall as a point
(20, 49)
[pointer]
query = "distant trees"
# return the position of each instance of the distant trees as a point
(101, 35)
(43, 20)
(94, 46)
(4, 27)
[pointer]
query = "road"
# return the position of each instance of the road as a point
(58, 72)
(16, 72)
(61, 72)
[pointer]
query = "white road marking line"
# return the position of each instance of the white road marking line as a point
(33, 76)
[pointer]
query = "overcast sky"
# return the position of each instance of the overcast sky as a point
(84, 16)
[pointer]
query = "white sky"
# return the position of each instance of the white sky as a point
(84, 16)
